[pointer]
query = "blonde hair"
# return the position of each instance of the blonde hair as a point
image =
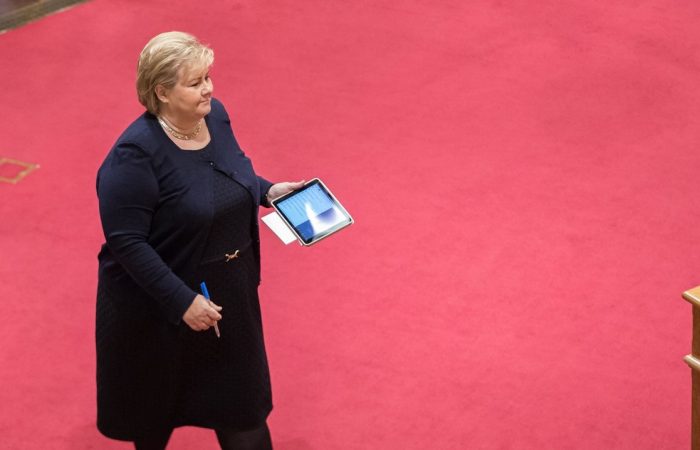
(160, 63)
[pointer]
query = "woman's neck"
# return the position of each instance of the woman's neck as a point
(180, 124)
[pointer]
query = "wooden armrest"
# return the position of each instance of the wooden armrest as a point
(693, 362)
(693, 296)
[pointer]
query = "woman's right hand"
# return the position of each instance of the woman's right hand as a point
(202, 314)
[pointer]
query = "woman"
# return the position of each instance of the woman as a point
(178, 202)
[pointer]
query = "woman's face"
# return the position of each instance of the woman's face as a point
(190, 98)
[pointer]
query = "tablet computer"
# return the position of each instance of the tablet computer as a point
(312, 212)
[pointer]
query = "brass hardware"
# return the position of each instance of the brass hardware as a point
(230, 257)
(28, 167)
(693, 296)
(693, 362)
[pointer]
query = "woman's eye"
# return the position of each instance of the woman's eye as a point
(198, 82)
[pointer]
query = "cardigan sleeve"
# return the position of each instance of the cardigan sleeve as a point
(128, 194)
(264, 188)
(219, 110)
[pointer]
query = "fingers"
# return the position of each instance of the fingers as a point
(209, 317)
(202, 314)
(213, 313)
(290, 186)
(208, 309)
(279, 189)
(205, 323)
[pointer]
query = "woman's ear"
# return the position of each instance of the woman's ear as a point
(162, 93)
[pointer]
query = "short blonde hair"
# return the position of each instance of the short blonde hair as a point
(162, 59)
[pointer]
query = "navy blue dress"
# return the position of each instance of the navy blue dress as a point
(170, 216)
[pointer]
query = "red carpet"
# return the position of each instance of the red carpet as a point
(524, 181)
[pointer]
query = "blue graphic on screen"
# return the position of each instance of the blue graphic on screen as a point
(311, 212)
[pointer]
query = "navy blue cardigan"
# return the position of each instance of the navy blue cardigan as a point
(156, 211)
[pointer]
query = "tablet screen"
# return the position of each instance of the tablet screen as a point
(312, 212)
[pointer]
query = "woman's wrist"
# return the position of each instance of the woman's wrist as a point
(268, 197)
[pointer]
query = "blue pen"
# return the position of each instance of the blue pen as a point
(205, 293)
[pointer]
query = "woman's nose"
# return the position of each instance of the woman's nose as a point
(207, 87)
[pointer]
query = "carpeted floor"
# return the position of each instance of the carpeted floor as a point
(524, 180)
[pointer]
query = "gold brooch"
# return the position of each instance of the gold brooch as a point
(230, 257)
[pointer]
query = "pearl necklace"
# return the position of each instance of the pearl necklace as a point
(177, 134)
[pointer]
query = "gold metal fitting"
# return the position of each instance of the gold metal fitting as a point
(25, 169)
(230, 257)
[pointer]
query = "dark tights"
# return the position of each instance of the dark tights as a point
(255, 439)
(155, 441)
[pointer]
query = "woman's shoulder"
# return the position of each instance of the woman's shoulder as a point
(142, 134)
(218, 111)
(139, 143)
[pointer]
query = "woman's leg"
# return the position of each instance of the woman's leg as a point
(155, 441)
(255, 439)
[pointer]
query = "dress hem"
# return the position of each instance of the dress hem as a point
(129, 437)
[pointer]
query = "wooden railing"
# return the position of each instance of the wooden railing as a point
(693, 360)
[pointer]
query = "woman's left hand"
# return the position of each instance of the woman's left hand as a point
(279, 189)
